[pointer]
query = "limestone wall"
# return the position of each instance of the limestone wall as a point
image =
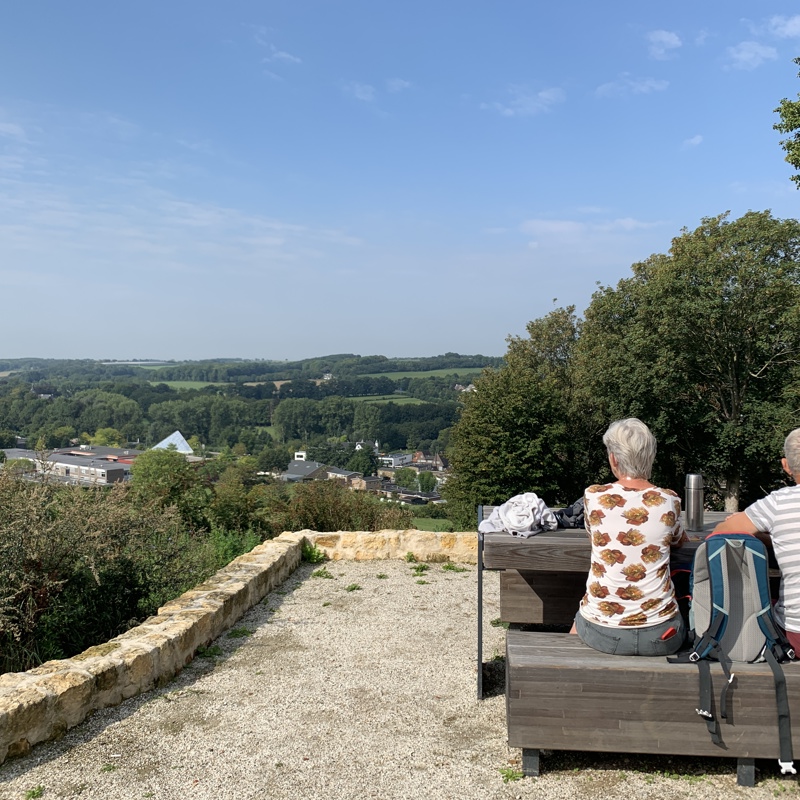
(368, 545)
(45, 702)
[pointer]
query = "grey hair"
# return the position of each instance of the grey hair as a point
(791, 449)
(633, 445)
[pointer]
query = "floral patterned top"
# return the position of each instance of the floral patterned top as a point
(632, 530)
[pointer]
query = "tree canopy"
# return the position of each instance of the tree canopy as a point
(789, 111)
(701, 343)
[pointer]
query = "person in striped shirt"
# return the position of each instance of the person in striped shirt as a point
(776, 520)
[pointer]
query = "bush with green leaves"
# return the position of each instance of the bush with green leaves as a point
(80, 565)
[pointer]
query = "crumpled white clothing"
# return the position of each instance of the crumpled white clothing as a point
(522, 515)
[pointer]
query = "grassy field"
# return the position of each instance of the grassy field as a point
(186, 384)
(456, 371)
(427, 524)
(400, 399)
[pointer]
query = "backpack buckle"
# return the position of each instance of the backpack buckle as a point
(704, 714)
(787, 767)
(790, 654)
(694, 656)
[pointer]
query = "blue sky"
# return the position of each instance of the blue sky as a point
(289, 178)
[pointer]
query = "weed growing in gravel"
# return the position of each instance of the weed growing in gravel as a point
(209, 652)
(382, 575)
(32, 793)
(239, 633)
(353, 587)
(325, 605)
(321, 573)
(511, 774)
(498, 623)
(411, 558)
(108, 768)
(312, 554)
(451, 567)
(418, 569)
(422, 582)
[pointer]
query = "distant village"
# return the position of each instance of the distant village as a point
(92, 465)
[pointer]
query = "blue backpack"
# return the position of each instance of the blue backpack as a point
(730, 619)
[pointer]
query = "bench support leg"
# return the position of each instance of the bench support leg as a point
(480, 608)
(530, 762)
(746, 771)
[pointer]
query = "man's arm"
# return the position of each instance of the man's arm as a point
(737, 523)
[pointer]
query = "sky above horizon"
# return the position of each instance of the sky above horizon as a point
(290, 178)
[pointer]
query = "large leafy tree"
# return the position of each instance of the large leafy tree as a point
(702, 344)
(789, 111)
(516, 432)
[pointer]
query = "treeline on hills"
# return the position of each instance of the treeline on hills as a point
(131, 411)
(79, 565)
(238, 371)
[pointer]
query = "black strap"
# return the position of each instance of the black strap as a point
(705, 709)
(782, 700)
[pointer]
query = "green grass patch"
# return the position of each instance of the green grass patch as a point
(436, 525)
(321, 573)
(451, 567)
(312, 554)
(353, 587)
(33, 793)
(209, 652)
(239, 633)
(511, 774)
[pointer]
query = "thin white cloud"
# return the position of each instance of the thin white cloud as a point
(360, 91)
(785, 27)
(13, 131)
(281, 55)
(626, 84)
(397, 85)
(525, 103)
(662, 44)
(694, 141)
(701, 38)
(564, 228)
(749, 55)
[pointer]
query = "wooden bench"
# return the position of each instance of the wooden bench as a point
(563, 695)
(543, 578)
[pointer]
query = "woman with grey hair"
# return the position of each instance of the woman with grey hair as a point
(629, 607)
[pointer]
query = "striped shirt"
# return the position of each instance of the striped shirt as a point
(778, 514)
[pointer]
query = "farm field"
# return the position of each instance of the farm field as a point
(459, 372)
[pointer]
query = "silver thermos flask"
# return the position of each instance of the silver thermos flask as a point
(694, 503)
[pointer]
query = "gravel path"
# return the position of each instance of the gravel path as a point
(321, 692)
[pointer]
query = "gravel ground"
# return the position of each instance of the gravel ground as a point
(357, 686)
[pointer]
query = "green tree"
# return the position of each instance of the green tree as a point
(426, 481)
(363, 461)
(518, 432)
(406, 477)
(789, 111)
(166, 478)
(701, 344)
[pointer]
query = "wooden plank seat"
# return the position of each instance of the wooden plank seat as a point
(563, 695)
